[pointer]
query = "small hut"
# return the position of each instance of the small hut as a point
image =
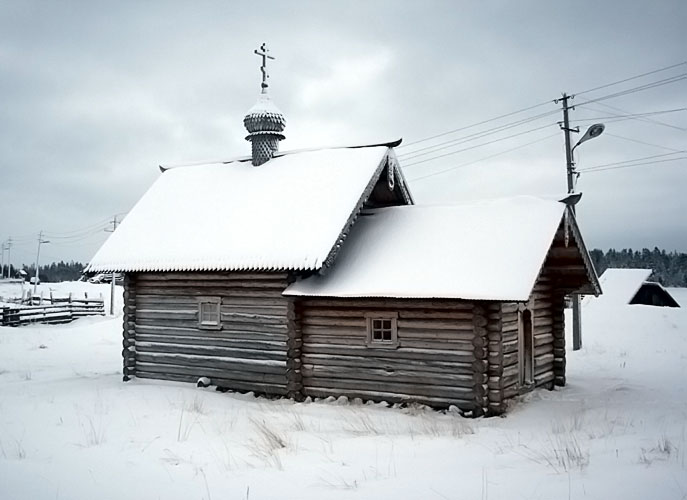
(631, 286)
(313, 273)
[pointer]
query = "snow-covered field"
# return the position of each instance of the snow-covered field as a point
(71, 429)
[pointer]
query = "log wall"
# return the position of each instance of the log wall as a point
(546, 304)
(509, 384)
(251, 350)
(542, 325)
(441, 358)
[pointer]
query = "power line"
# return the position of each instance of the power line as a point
(475, 124)
(90, 227)
(474, 147)
(595, 170)
(484, 158)
(639, 88)
(473, 136)
(666, 68)
(641, 142)
(630, 116)
(632, 90)
(634, 160)
(642, 119)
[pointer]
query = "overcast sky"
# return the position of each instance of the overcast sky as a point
(95, 95)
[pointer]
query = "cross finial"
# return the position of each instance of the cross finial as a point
(263, 52)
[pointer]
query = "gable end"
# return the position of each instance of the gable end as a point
(388, 161)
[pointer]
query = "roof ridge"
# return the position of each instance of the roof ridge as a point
(244, 158)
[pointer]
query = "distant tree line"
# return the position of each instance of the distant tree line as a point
(670, 268)
(57, 271)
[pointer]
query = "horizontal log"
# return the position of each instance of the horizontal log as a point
(542, 330)
(266, 345)
(210, 351)
(495, 384)
(511, 372)
(257, 366)
(193, 330)
(341, 340)
(362, 362)
(204, 371)
(543, 339)
(421, 390)
(544, 359)
(328, 321)
(384, 376)
(544, 378)
(435, 325)
(227, 327)
(401, 353)
(429, 334)
(543, 350)
(510, 391)
(509, 347)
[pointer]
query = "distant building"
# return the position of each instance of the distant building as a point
(313, 273)
(630, 286)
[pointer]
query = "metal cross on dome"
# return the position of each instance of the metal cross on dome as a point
(263, 52)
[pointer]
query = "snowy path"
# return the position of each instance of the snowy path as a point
(70, 429)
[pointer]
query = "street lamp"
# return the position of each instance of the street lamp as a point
(592, 132)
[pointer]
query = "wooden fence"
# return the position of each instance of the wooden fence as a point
(60, 310)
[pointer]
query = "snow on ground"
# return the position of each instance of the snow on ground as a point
(71, 429)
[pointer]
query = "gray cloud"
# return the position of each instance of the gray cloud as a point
(93, 96)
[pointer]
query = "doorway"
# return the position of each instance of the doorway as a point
(526, 348)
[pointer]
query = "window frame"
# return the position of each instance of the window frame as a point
(210, 325)
(370, 319)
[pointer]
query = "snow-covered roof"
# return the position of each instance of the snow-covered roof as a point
(621, 285)
(490, 250)
(285, 214)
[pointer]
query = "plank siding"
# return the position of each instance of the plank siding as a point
(439, 359)
(249, 352)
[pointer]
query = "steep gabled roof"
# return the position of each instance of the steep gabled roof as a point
(491, 250)
(289, 213)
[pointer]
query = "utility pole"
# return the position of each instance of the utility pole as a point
(570, 169)
(38, 254)
(2, 262)
(112, 285)
(9, 257)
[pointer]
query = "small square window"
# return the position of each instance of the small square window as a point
(209, 313)
(382, 330)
